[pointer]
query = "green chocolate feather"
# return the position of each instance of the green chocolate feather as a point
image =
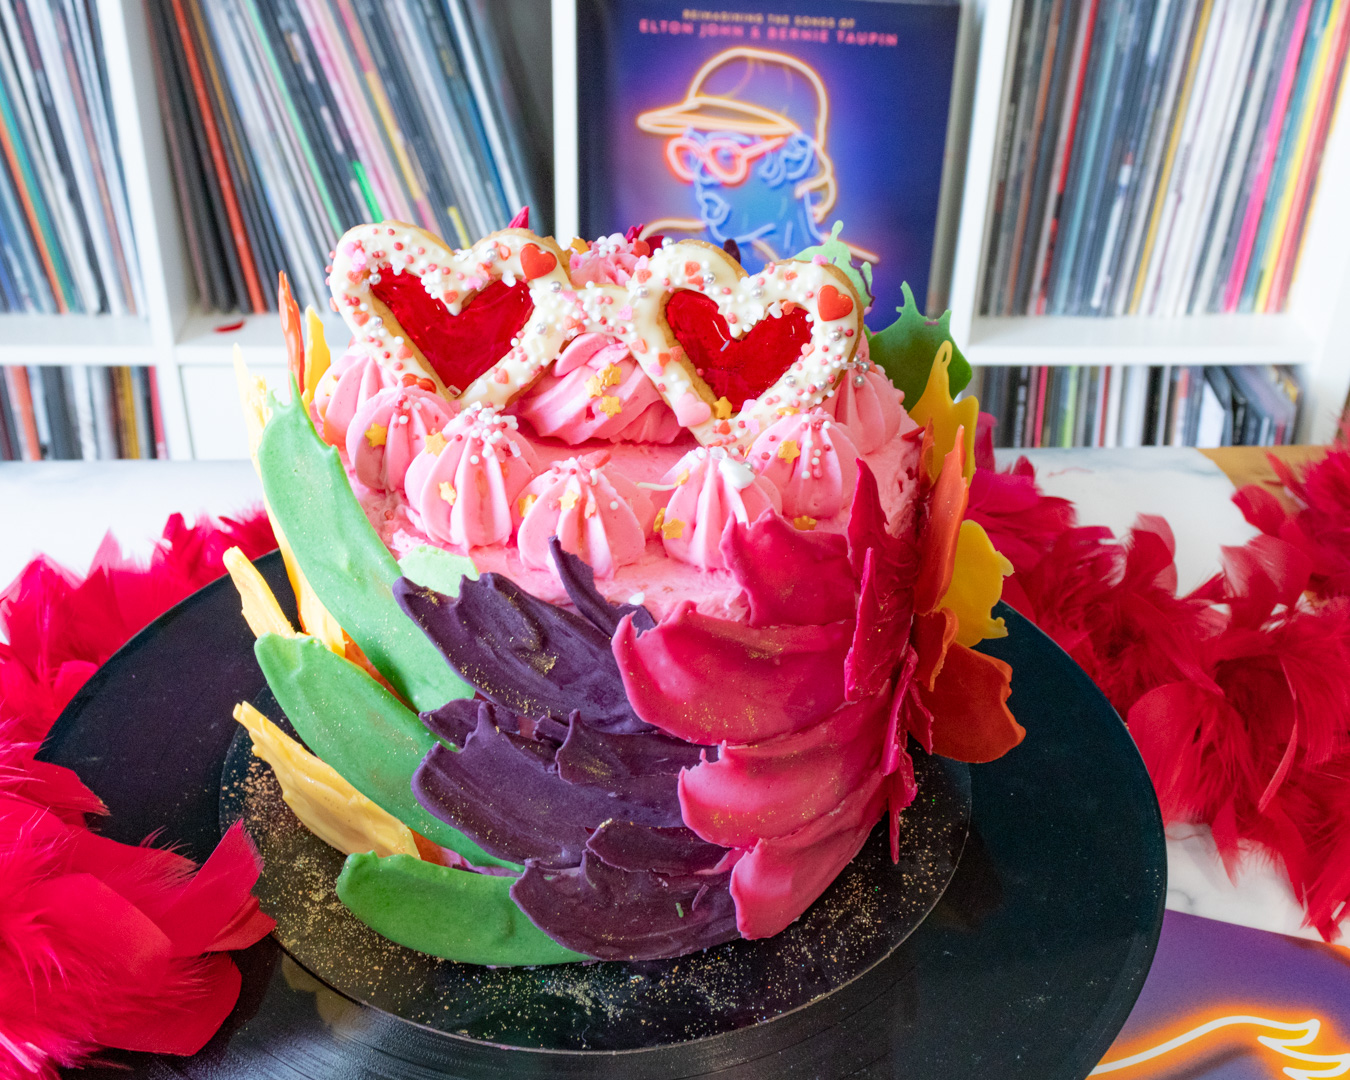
(450, 913)
(355, 725)
(342, 557)
(905, 350)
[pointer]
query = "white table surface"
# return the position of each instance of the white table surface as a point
(65, 508)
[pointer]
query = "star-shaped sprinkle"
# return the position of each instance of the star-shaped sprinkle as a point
(805, 523)
(672, 529)
(722, 409)
(610, 405)
(376, 434)
(660, 520)
(682, 478)
(788, 451)
(448, 493)
(569, 499)
(526, 503)
(610, 375)
(594, 388)
(435, 443)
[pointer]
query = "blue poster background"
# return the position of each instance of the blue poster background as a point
(747, 137)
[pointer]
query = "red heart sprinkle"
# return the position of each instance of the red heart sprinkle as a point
(832, 304)
(536, 262)
(643, 275)
(691, 267)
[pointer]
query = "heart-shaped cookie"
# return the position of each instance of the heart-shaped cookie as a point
(732, 352)
(481, 323)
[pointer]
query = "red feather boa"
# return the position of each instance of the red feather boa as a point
(1238, 694)
(101, 943)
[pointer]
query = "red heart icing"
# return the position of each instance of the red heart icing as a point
(832, 304)
(458, 347)
(536, 262)
(733, 368)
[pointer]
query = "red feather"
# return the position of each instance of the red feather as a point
(1238, 695)
(101, 943)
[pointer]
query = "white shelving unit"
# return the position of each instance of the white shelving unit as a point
(1314, 333)
(192, 353)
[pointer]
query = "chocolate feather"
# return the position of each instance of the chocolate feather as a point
(456, 719)
(522, 652)
(626, 846)
(505, 792)
(617, 915)
(579, 581)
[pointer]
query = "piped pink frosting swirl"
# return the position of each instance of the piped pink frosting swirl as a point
(811, 460)
(464, 495)
(346, 386)
(596, 513)
(711, 488)
(867, 404)
(597, 391)
(609, 260)
(390, 430)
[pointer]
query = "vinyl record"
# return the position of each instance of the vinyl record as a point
(1026, 968)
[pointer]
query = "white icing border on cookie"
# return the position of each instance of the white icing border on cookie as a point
(453, 277)
(743, 300)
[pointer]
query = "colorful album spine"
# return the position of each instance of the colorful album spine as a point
(1312, 144)
(232, 212)
(1270, 143)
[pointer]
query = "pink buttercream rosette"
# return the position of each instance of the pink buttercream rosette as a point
(710, 489)
(811, 460)
(596, 513)
(596, 390)
(463, 494)
(390, 429)
(353, 380)
(867, 404)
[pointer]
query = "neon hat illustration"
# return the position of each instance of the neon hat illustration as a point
(760, 93)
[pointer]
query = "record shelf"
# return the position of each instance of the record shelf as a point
(191, 349)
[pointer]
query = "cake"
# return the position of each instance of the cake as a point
(627, 581)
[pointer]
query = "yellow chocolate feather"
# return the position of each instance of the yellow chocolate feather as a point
(935, 404)
(325, 803)
(977, 585)
(317, 356)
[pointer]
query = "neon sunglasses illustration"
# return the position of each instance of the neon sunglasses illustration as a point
(750, 138)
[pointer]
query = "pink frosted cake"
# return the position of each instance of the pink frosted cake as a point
(628, 583)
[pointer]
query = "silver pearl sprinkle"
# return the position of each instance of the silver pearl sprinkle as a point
(859, 380)
(555, 286)
(791, 380)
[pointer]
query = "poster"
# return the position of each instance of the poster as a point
(1223, 1002)
(767, 125)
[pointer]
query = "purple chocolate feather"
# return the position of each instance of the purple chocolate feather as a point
(522, 652)
(579, 580)
(626, 846)
(504, 792)
(457, 718)
(639, 769)
(617, 915)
